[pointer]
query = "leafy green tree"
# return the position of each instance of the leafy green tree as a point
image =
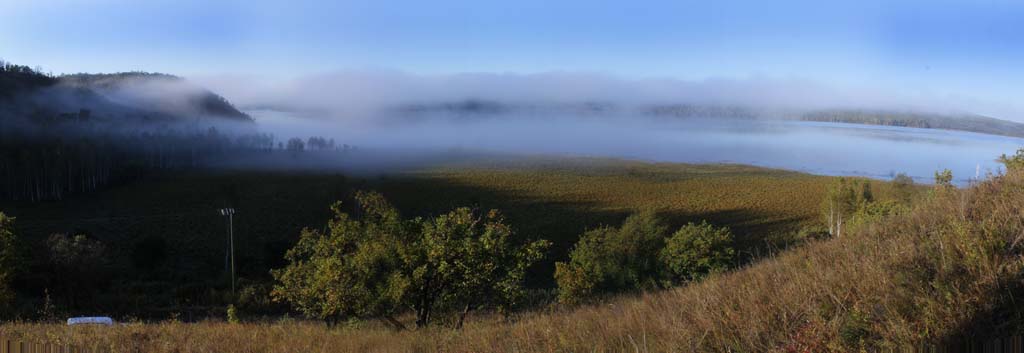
(944, 179)
(696, 250)
(380, 265)
(463, 259)
(8, 259)
(350, 270)
(841, 201)
(611, 259)
(1014, 163)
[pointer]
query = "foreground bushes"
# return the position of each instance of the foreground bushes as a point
(696, 250)
(380, 265)
(640, 256)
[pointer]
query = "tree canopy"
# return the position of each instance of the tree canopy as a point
(610, 259)
(378, 265)
(1014, 163)
(844, 199)
(639, 255)
(696, 250)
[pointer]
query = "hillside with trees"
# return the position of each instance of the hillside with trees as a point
(960, 122)
(149, 91)
(72, 134)
(471, 109)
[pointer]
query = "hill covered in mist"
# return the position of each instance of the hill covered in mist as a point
(31, 99)
(71, 134)
(159, 92)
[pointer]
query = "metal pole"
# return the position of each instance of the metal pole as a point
(231, 233)
(227, 248)
(229, 257)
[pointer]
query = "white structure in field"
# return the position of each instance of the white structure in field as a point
(99, 320)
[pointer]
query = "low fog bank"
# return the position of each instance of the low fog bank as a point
(384, 122)
(378, 95)
(813, 147)
(406, 119)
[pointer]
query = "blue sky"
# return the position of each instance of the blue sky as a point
(963, 48)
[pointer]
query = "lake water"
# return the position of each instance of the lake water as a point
(813, 147)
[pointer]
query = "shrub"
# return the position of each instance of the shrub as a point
(611, 259)
(696, 250)
(1013, 163)
(944, 179)
(233, 315)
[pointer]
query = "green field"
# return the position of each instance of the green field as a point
(551, 198)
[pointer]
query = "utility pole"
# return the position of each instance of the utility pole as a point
(230, 214)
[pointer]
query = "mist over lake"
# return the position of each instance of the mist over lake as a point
(813, 147)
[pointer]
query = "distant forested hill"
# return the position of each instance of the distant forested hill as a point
(15, 79)
(476, 108)
(962, 122)
(30, 96)
(64, 135)
(164, 93)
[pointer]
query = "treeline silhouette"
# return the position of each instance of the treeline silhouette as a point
(19, 78)
(961, 122)
(50, 168)
(50, 148)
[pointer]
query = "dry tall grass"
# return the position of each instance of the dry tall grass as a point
(950, 268)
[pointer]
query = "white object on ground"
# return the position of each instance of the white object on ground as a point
(98, 320)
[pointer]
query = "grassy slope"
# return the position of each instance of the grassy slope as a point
(952, 267)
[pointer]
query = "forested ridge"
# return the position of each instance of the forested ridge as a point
(62, 135)
(203, 101)
(480, 109)
(960, 122)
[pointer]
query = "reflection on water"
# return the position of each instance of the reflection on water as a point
(814, 147)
